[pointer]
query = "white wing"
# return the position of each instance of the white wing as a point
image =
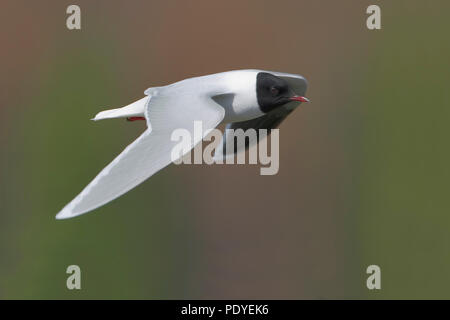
(150, 152)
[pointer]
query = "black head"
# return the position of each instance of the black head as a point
(272, 92)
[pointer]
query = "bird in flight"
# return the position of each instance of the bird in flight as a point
(242, 99)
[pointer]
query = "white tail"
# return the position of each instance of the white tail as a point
(136, 109)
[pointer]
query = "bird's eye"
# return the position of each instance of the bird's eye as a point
(274, 91)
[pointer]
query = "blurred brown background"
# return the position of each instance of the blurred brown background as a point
(363, 169)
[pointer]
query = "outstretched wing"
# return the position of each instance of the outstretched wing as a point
(150, 152)
(268, 121)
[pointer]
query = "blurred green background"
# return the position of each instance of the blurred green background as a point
(364, 169)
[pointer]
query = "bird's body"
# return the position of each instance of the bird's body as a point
(238, 85)
(242, 98)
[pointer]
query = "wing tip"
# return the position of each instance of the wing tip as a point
(61, 216)
(66, 213)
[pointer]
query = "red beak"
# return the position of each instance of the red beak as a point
(299, 98)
